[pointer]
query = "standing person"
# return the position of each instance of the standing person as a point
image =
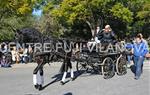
(140, 35)
(5, 62)
(25, 55)
(129, 56)
(30, 50)
(4, 47)
(148, 55)
(139, 52)
(15, 55)
(20, 52)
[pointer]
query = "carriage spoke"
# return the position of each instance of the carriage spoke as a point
(108, 68)
(121, 66)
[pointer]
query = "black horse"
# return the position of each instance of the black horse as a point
(41, 57)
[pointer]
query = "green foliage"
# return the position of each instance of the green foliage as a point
(14, 14)
(123, 15)
(120, 12)
(144, 13)
(48, 7)
(70, 10)
(49, 26)
(75, 17)
(12, 23)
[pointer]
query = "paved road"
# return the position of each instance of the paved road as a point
(18, 81)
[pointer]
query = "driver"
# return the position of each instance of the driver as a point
(107, 36)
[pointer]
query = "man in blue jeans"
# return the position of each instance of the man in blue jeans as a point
(140, 50)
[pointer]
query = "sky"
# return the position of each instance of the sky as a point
(37, 12)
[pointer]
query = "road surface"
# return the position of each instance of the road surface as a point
(18, 81)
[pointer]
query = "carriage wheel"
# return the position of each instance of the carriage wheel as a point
(82, 67)
(121, 66)
(108, 68)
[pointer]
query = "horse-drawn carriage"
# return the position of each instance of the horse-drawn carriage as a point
(104, 62)
(87, 58)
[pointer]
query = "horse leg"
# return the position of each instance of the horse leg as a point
(67, 64)
(72, 74)
(63, 78)
(35, 77)
(38, 79)
(64, 70)
(71, 70)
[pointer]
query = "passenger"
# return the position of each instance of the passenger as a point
(139, 52)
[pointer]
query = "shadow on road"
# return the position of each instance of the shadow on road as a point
(69, 93)
(58, 77)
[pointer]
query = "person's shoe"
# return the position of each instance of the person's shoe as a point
(136, 78)
(128, 65)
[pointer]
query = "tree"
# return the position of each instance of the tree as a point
(140, 9)
(143, 16)
(93, 12)
(48, 26)
(14, 14)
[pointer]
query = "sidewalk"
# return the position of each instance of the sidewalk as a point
(147, 64)
(24, 65)
(33, 65)
(58, 64)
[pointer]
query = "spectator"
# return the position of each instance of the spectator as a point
(4, 47)
(30, 52)
(4, 62)
(25, 55)
(20, 51)
(148, 55)
(129, 56)
(0, 57)
(140, 35)
(139, 52)
(128, 46)
(15, 55)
